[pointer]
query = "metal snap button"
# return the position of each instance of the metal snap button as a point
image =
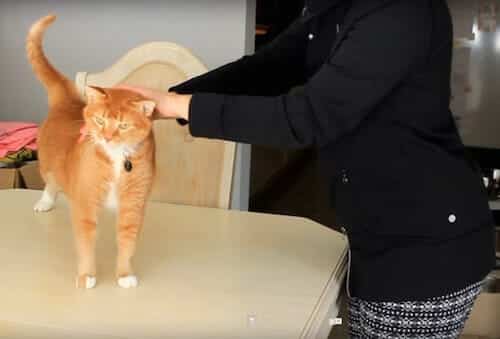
(310, 36)
(345, 178)
(452, 218)
(304, 10)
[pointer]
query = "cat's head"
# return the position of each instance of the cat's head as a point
(117, 117)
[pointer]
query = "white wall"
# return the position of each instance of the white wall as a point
(90, 34)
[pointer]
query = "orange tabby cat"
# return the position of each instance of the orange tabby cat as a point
(112, 164)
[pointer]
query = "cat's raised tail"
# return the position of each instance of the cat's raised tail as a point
(51, 78)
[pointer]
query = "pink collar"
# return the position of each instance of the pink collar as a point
(83, 133)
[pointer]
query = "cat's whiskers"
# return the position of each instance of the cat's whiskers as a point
(93, 137)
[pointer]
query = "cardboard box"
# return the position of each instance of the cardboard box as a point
(9, 178)
(30, 175)
(27, 176)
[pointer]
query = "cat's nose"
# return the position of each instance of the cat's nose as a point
(108, 135)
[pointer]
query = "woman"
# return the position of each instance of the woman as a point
(375, 103)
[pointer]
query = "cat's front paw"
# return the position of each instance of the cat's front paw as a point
(128, 281)
(43, 205)
(86, 281)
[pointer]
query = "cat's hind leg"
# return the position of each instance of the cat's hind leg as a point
(48, 199)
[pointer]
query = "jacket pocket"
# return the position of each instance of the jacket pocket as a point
(424, 195)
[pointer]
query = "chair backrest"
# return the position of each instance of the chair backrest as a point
(190, 171)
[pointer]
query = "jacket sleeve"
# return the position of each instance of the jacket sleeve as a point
(273, 70)
(378, 52)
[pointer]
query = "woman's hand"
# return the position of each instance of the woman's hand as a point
(168, 105)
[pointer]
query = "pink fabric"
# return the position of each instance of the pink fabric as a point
(17, 135)
(83, 133)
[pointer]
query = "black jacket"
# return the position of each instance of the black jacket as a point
(375, 103)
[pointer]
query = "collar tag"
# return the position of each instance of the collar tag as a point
(127, 165)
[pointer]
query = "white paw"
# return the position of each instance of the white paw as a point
(43, 205)
(128, 281)
(90, 282)
(87, 282)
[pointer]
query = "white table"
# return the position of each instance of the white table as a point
(204, 273)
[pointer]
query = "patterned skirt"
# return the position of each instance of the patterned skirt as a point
(437, 318)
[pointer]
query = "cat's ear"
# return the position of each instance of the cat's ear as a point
(94, 94)
(147, 107)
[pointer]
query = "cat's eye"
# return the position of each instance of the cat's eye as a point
(123, 126)
(99, 121)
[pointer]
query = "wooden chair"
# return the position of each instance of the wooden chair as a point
(190, 171)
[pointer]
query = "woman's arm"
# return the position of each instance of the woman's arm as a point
(273, 70)
(375, 57)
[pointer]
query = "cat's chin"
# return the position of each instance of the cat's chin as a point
(114, 145)
(114, 149)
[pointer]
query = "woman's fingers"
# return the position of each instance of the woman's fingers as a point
(168, 105)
